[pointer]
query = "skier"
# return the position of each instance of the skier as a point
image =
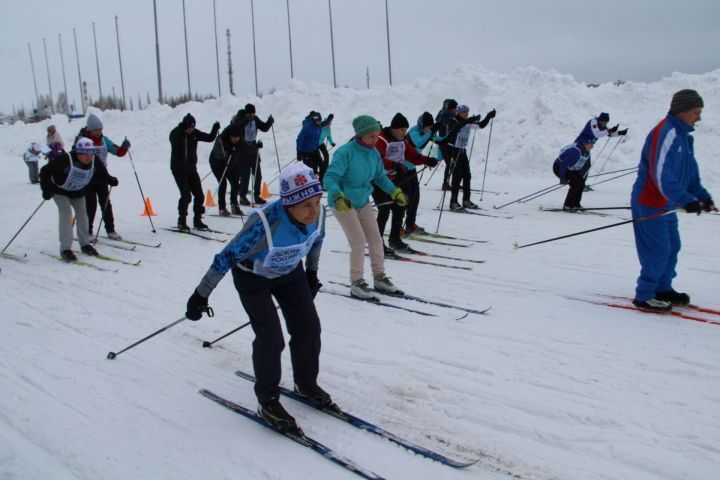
(183, 165)
(325, 136)
(249, 159)
(571, 167)
(224, 165)
(65, 178)
(308, 141)
(455, 149)
(54, 137)
(668, 178)
(420, 135)
(348, 181)
(32, 158)
(596, 128)
(266, 262)
(443, 117)
(396, 151)
(98, 193)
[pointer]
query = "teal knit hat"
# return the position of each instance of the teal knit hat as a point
(365, 124)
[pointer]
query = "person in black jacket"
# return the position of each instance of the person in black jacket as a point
(249, 156)
(224, 165)
(183, 164)
(66, 178)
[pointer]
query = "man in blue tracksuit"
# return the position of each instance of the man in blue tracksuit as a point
(668, 178)
(571, 167)
(308, 141)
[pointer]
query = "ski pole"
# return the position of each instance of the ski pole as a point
(433, 173)
(610, 155)
(613, 178)
(487, 157)
(147, 211)
(648, 217)
(432, 144)
(23, 226)
(206, 175)
(599, 155)
(442, 201)
(556, 187)
(102, 214)
(207, 344)
(278, 175)
(614, 171)
(112, 355)
(277, 155)
(553, 186)
(582, 209)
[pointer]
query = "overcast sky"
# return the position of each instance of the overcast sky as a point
(595, 41)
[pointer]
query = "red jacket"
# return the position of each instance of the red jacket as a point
(394, 156)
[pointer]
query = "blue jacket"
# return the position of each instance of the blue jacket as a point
(592, 133)
(308, 139)
(572, 158)
(668, 175)
(353, 169)
(251, 244)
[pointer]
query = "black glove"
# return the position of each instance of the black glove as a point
(693, 207)
(623, 132)
(216, 126)
(125, 144)
(112, 181)
(313, 282)
(613, 129)
(491, 114)
(473, 119)
(708, 205)
(196, 305)
(331, 116)
(332, 144)
(435, 127)
(432, 162)
(270, 121)
(259, 144)
(47, 194)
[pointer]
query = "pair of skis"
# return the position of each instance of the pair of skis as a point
(333, 456)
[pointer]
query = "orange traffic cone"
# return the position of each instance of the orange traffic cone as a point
(209, 201)
(148, 212)
(265, 193)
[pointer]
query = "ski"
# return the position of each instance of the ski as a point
(378, 302)
(582, 209)
(420, 238)
(296, 436)
(448, 237)
(236, 217)
(696, 308)
(414, 260)
(17, 258)
(425, 300)
(133, 242)
(473, 212)
(80, 263)
(118, 260)
(368, 427)
(210, 230)
(194, 234)
(127, 248)
(652, 312)
(412, 251)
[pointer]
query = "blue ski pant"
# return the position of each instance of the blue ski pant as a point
(657, 242)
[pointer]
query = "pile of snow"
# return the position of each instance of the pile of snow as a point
(543, 387)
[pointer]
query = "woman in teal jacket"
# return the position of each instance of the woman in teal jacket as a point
(348, 181)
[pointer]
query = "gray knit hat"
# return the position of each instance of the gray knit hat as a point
(94, 123)
(685, 100)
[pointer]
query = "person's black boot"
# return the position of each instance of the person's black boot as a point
(673, 297)
(274, 413)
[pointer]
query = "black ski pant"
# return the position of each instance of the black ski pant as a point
(312, 159)
(250, 165)
(448, 153)
(324, 161)
(188, 182)
(99, 193)
(384, 211)
(230, 171)
(411, 187)
(292, 293)
(460, 174)
(576, 180)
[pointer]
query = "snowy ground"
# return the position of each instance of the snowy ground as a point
(543, 387)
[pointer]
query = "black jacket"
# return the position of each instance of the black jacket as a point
(241, 121)
(183, 148)
(455, 123)
(223, 149)
(55, 172)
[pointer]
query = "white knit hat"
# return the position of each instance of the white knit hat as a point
(297, 184)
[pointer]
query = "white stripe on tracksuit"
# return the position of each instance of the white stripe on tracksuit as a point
(667, 143)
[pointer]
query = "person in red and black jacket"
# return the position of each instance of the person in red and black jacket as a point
(396, 149)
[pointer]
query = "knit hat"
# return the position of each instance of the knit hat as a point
(604, 117)
(94, 123)
(84, 145)
(249, 108)
(451, 103)
(685, 100)
(365, 124)
(189, 121)
(297, 184)
(314, 116)
(463, 108)
(425, 120)
(399, 121)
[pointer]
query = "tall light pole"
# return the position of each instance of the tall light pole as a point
(97, 61)
(332, 45)
(387, 23)
(32, 65)
(292, 74)
(122, 78)
(187, 56)
(47, 67)
(217, 52)
(157, 54)
(77, 58)
(252, 16)
(62, 64)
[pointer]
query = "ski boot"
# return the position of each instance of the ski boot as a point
(673, 297)
(383, 284)
(653, 305)
(274, 414)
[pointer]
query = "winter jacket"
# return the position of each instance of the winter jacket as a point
(668, 175)
(248, 132)
(396, 155)
(593, 132)
(455, 125)
(103, 146)
(353, 170)
(183, 147)
(571, 157)
(55, 173)
(326, 134)
(223, 149)
(308, 139)
(251, 244)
